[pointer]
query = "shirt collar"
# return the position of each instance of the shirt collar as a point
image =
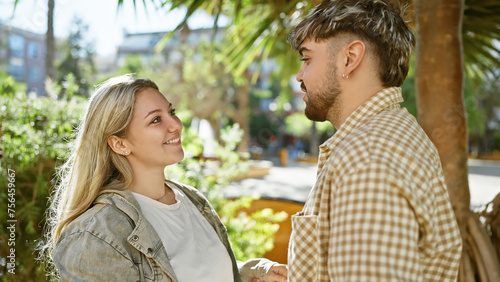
(388, 98)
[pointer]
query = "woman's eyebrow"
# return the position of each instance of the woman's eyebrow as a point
(152, 112)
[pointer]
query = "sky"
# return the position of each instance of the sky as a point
(106, 23)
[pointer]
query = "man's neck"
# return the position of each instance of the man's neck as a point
(354, 95)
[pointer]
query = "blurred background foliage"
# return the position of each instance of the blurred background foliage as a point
(35, 134)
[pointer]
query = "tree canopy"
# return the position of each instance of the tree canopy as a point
(259, 29)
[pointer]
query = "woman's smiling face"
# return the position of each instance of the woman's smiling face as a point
(154, 133)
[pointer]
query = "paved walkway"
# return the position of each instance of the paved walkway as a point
(294, 182)
(484, 181)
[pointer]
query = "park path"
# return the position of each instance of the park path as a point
(294, 181)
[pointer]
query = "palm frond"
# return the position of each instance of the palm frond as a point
(254, 33)
(480, 29)
(14, 10)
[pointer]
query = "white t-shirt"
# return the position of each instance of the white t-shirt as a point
(195, 251)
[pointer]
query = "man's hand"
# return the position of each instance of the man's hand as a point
(277, 273)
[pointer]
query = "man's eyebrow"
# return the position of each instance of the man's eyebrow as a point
(302, 49)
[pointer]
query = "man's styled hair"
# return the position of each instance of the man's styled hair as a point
(376, 22)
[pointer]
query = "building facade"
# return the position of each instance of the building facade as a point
(22, 55)
(144, 44)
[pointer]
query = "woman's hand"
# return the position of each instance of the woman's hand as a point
(277, 273)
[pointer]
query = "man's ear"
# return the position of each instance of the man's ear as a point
(118, 145)
(354, 54)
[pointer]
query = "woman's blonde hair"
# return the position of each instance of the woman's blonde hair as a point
(93, 166)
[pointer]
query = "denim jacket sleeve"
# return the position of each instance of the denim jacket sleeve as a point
(83, 256)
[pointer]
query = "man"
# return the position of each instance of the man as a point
(379, 210)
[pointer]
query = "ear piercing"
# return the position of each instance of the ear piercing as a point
(345, 76)
(125, 153)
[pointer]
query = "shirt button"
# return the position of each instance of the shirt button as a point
(134, 238)
(150, 250)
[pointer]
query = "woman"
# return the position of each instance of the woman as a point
(115, 217)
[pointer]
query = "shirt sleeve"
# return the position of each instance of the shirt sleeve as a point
(374, 232)
(255, 268)
(84, 257)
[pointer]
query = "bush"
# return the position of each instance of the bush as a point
(35, 134)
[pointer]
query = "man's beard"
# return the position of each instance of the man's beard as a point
(325, 100)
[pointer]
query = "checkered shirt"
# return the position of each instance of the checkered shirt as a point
(379, 210)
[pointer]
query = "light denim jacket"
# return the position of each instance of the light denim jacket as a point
(112, 241)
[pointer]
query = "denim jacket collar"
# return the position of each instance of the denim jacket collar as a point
(141, 238)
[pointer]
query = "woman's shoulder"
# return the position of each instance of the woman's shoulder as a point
(107, 217)
(99, 237)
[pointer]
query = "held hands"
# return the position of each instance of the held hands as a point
(277, 273)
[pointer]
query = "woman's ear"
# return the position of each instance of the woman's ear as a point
(355, 52)
(117, 145)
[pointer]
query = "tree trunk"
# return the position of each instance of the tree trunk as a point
(185, 31)
(50, 42)
(439, 84)
(242, 115)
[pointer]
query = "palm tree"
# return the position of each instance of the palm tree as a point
(50, 42)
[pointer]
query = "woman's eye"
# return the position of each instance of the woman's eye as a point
(156, 120)
(304, 59)
(172, 112)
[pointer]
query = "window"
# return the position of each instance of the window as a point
(33, 74)
(16, 45)
(16, 68)
(33, 50)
